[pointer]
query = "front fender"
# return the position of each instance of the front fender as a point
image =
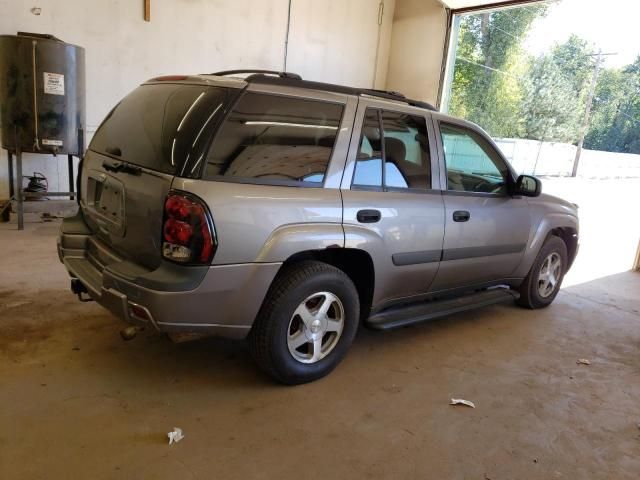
(539, 234)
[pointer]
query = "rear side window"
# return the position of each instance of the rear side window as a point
(368, 171)
(275, 140)
(394, 152)
(161, 126)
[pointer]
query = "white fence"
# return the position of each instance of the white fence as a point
(526, 156)
(550, 158)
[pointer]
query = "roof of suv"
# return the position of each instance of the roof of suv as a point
(290, 79)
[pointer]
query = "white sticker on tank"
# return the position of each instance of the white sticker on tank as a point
(55, 143)
(53, 83)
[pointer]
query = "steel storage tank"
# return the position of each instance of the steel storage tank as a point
(42, 94)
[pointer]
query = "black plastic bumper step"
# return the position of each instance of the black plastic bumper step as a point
(429, 310)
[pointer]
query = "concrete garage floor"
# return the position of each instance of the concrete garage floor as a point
(78, 402)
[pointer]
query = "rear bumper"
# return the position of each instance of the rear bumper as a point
(217, 300)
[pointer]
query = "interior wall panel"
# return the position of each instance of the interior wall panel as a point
(329, 40)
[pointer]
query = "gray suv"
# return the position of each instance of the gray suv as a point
(288, 212)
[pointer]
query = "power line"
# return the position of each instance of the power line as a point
(634, 120)
(504, 31)
(466, 60)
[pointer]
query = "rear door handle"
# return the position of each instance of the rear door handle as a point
(461, 216)
(369, 216)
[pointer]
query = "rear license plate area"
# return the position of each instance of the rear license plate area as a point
(106, 199)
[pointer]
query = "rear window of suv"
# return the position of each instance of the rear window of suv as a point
(162, 126)
(276, 140)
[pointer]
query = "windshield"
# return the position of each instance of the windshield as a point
(163, 127)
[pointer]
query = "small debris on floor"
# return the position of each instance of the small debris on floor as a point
(460, 401)
(175, 436)
(47, 217)
(76, 349)
(128, 333)
(392, 389)
(583, 361)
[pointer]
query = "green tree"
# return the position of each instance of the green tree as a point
(487, 73)
(576, 62)
(549, 104)
(556, 88)
(512, 94)
(615, 122)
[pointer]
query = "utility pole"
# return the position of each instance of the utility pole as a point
(587, 112)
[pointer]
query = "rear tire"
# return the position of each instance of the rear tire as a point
(307, 323)
(542, 284)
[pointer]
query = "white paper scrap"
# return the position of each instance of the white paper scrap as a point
(460, 401)
(175, 436)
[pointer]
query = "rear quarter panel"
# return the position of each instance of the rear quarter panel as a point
(261, 223)
(269, 223)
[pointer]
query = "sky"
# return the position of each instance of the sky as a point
(611, 25)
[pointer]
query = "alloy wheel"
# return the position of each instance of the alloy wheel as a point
(315, 327)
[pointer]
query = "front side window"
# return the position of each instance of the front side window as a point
(471, 165)
(393, 152)
(275, 140)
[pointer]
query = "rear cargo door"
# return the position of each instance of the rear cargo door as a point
(152, 135)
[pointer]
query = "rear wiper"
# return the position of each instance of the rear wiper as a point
(121, 166)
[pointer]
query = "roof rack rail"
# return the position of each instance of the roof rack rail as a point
(294, 80)
(392, 95)
(388, 92)
(253, 72)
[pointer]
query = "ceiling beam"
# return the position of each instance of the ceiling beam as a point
(492, 6)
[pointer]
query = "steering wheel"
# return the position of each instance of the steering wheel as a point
(486, 186)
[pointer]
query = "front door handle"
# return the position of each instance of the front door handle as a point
(369, 216)
(461, 216)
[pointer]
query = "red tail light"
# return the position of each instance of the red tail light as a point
(188, 235)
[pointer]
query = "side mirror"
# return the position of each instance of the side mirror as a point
(527, 186)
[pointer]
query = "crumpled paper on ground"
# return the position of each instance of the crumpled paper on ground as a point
(175, 436)
(460, 401)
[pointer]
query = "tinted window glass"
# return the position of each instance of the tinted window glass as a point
(471, 166)
(406, 149)
(369, 160)
(158, 126)
(407, 161)
(275, 139)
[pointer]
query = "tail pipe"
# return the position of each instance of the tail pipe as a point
(79, 289)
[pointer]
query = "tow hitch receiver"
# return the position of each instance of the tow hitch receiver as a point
(78, 288)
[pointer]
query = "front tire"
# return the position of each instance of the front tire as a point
(307, 322)
(542, 284)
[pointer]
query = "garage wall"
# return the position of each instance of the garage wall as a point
(329, 40)
(337, 41)
(417, 43)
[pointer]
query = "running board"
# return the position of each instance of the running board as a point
(396, 317)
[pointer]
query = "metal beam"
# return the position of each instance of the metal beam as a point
(497, 5)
